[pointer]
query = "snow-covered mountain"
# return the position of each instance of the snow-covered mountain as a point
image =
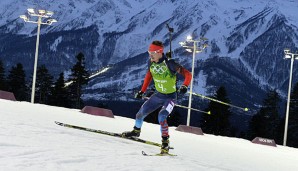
(245, 53)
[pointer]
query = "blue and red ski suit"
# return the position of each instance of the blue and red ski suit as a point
(163, 74)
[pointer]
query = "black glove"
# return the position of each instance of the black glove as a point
(169, 55)
(182, 89)
(139, 95)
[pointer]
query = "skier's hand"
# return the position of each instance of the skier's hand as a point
(182, 90)
(169, 55)
(139, 95)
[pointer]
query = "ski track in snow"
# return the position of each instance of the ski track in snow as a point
(30, 140)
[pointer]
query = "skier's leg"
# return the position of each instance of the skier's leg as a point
(148, 107)
(162, 117)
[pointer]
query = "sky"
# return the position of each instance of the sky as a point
(30, 140)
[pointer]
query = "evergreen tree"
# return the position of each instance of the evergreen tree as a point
(292, 134)
(3, 82)
(60, 94)
(80, 77)
(218, 123)
(280, 131)
(16, 82)
(44, 82)
(266, 122)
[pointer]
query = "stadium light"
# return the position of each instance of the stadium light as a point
(292, 56)
(197, 46)
(40, 14)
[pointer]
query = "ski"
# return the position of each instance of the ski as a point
(158, 154)
(119, 135)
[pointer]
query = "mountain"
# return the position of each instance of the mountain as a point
(246, 41)
(30, 140)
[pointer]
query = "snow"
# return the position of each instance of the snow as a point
(54, 46)
(30, 140)
(105, 69)
(150, 17)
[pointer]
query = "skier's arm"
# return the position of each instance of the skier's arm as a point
(147, 81)
(186, 74)
(177, 68)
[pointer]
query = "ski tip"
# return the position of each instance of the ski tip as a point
(144, 153)
(158, 154)
(58, 123)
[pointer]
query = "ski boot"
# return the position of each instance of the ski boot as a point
(134, 133)
(165, 145)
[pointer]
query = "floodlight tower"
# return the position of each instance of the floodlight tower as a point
(40, 14)
(197, 47)
(292, 56)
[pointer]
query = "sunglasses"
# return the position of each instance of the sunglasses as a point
(154, 52)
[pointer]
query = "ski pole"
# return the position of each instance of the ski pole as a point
(221, 102)
(185, 107)
(209, 113)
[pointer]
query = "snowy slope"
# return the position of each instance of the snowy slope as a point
(247, 35)
(29, 140)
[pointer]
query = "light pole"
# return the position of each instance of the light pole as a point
(197, 47)
(292, 56)
(40, 14)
